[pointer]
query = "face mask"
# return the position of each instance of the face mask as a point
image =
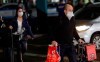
(20, 14)
(70, 15)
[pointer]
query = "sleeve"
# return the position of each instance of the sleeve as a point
(51, 33)
(29, 32)
(76, 36)
(13, 24)
(52, 29)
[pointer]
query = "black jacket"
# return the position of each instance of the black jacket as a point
(25, 25)
(64, 31)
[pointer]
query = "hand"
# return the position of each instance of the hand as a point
(10, 27)
(81, 41)
(28, 37)
(32, 38)
(54, 43)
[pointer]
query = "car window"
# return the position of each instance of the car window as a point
(52, 5)
(12, 6)
(96, 12)
(9, 7)
(85, 13)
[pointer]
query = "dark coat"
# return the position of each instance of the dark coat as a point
(25, 25)
(64, 31)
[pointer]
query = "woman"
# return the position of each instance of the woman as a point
(20, 29)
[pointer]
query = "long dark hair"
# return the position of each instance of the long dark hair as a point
(17, 11)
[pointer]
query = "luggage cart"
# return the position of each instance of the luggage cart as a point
(84, 54)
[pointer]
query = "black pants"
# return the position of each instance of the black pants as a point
(21, 47)
(68, 50)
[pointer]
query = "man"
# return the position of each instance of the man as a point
(64, 32)
(60, 7)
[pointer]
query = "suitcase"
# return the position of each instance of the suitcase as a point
(86, 52)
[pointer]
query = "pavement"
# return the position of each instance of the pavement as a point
(37, 51)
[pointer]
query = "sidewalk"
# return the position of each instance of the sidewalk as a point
(33, 57)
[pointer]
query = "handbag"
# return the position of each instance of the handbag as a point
(52, 54)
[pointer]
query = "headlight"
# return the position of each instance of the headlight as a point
(83, 28)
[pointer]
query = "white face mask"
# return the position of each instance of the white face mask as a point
(70, 15)
(20, 14)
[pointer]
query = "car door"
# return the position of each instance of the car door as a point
(8, 11)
